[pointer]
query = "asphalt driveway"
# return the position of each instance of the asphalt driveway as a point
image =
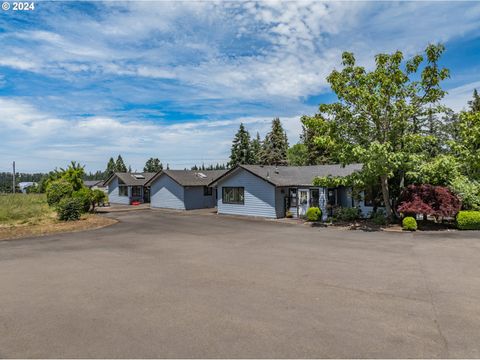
(161, 284)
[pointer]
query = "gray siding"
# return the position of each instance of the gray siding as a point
(113, 196)
(166, 193)
(280, 201)
(194, 198)
(259, 196)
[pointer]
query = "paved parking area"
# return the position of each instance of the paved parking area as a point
(165, 284)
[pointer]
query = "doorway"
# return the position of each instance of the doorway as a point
(303, 201)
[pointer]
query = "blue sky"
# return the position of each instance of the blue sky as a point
(88, 80)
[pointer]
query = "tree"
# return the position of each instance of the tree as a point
(475, 102)
(374, 120)
(317, 153)
(467, 147)
(120, 165)
(111, 168)
(297, 155)
(153, 165)
(275, 145)
(256, 149)
(241, 152)
(74, 174)
(57, 190)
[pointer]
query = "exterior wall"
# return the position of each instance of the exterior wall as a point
(194, 198)
(166, 193)
(113, 196)
(344, 197)
(259, 196)
(280, 201)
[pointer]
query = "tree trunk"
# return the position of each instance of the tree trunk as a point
(386, 195)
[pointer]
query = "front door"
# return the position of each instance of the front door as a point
(303, 201)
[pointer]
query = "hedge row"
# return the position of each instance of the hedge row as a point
(468, 220)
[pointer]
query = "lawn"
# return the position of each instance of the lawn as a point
(28, 215)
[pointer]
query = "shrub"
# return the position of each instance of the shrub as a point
(379, 217)
(57, 190)
(98, 197)
(468, 220)
(347, 214)
(409, 223)
(69, 209)
(314, 214)
(469, 191)
(437, 201)
(289, 214)
(84, 195)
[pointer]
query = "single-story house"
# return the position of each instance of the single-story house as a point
(125, 188)
(95, 185)
(183, 189)
(271, 191)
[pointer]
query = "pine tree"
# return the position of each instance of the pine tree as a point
(256, 149)
(129, 169)
(153, 165)
(120, 165)
(275, 145)
(241, 152)
(111, 168)
(475, 102)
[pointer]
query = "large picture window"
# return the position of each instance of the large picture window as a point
(123, 190)
(233, 195)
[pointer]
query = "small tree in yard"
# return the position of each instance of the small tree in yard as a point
(437, 201)
(98, 197)
(153, 165)
(57, 190)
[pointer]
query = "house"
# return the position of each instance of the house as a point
(23, 186)
(125, 188)
(95, 185)
(183, 189)
(270, 191)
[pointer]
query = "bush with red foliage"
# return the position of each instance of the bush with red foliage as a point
(436, 201)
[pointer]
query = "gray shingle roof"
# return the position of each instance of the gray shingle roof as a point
(131, 180)
(191, 177)
(91, 183)
(298, 175)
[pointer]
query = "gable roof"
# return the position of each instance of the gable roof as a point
(91, 183)
(190, 177)
(293, 175)
(132, 179)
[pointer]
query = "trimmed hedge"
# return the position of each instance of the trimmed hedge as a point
(468, 220)
(314, 214)
(409, 223)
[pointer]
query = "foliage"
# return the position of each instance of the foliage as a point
(297, 155)
(318, 152)
(468, 191)
(84, 195)
(23, 208)
(374, 121)
(69, 209)
(378, 217)
(153, 165)
(74, 174)
(289, 214)
(313, 214)
(98, 197)
(120, 165)
(241, 152)
(347, 214)
(275, 145)
(209, 167)
(467, 147)
(409, 223)
(436, 201)
(474, 104)
(468, 220)
(57, 190)
(256, 149)
(111, 168)
(441, 170)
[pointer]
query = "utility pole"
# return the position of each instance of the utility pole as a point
(13, 182)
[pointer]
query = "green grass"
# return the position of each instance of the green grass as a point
(24, 209)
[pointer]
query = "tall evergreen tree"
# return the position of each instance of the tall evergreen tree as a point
(120, 165)
(275, 146)
(241, 152)
(256, 149)
(111, 168)
(475, 102)
(153, 165)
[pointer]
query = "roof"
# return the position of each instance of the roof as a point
(91, 183)
(190, 177)
(132, 179)
(295, 175)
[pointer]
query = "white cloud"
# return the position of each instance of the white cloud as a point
(458, 97)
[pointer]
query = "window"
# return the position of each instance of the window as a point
(292, 195)
(207, 191)
(123, 190)
(233, 195)
(136, 191)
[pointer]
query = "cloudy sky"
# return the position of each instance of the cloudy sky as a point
(88, 80)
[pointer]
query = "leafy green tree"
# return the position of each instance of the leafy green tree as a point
(57, 190)
(241, 152)
(318, 153)
(467, 147)
(85, 196)
(275, 145)
(374, 120)
(153, 165)
(297, 155)
(256, 149)
(98, 197)
(111, 168)
(475, 102)
(120, 165)
(441, 170)
(74, 174)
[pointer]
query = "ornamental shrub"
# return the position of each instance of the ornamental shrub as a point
(84, 195)
(347, 214)
(379, 217)
(57, 190)
(468, 220)
(437, 201)
(69, 209)
(409, 223)
(314, 214)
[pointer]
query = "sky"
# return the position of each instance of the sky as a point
(87, 81)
